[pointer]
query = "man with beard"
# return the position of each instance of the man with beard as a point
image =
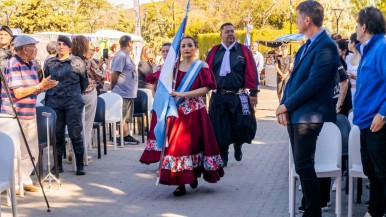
(231, 109)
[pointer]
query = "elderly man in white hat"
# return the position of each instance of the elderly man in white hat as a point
(22, 79)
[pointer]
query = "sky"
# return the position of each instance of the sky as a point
(129, 3)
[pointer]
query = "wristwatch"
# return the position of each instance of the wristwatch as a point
(383, 118)
(38, 88)
(338, 106)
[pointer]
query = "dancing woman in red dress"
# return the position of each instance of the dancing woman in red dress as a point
(192, 148)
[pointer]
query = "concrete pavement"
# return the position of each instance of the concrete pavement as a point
(118, 185)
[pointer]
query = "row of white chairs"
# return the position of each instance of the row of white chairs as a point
(328, 157)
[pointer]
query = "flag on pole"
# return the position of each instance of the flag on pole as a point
(164, 105)
(247, 39)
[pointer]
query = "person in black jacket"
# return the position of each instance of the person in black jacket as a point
(66, 99)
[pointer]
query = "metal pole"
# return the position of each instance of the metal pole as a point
(174, 21)
(137, 17)
(290, 25)
(337, 25)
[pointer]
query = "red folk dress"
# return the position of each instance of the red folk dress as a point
(192, 149)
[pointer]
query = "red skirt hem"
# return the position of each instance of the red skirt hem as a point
(149, 157)
(187, 177)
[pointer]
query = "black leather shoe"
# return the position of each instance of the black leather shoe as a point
(224, 158)
(80, 171)
(194, 184)
(238, 152)
(180, 190)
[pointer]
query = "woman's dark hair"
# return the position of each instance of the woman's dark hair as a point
(80, 46)
(336, 36)
(312, 9)
(353, 38)
(374, 20)
(166, 44)
(194, 40)
(342, 44)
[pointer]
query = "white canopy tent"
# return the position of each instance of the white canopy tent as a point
(104, 34)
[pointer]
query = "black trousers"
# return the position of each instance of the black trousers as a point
(303, 139)
(73, 119)
(373, 154)
(228, 122)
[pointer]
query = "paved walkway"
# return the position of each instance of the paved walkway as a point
(118, 185)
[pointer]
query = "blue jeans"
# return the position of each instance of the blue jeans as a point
(303, 139)
(373, 154)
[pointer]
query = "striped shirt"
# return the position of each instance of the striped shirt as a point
(18, 74)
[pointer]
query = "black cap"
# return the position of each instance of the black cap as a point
(65, 39)
(7, 29)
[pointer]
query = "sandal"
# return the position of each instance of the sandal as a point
(180, 190)
(194, 184)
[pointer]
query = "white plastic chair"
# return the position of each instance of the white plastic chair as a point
(354, 164)
(328, 158)
(7, 176)
(350, 118)
(39, 98)
(113, 113)
(9, 125)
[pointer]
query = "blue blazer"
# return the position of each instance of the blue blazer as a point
(309, 91)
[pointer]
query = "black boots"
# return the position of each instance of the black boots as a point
(79, 165)
(238, 152)
(224, 156)
(60, 165)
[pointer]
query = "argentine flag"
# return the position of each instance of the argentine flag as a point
(247, 39)
(164, 105)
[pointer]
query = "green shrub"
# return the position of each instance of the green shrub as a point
(207, 41)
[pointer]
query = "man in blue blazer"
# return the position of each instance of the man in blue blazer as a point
(307, 99)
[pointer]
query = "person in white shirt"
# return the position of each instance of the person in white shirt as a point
(259, 58)
(352, 61)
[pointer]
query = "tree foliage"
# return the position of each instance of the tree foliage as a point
(160, 20)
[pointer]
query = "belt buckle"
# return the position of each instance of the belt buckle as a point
(222, 91)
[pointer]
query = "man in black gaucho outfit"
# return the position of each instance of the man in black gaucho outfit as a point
(231, 108)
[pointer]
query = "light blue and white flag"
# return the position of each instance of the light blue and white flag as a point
(164, 105)
(247, 39)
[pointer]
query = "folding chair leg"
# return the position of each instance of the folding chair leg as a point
(350, 195)
(114, 136)
(293, 199)
(99, 141)
(134, 125)
(338, 206)
(40, 163)
(121, 131)
(104, 138)
(143, 130)
(359, 190)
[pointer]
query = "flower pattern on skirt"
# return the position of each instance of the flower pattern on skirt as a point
(189, 104)
(179, 164)
(151, 145)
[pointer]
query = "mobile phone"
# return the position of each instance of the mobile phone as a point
(105, 53)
